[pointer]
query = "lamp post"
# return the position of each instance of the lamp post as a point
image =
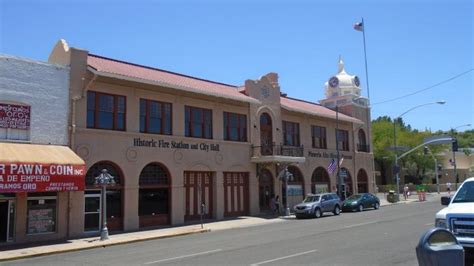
(436, 168)
(103, 180)
(397, 170)
(454, 157)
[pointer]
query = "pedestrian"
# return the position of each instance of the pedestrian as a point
(405, 191)
(273, 203)
(277, 204)
(448, 187)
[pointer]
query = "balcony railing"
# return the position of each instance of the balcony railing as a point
(363, 148)
(279, 150)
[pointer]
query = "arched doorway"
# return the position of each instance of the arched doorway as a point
(92, 211)
(362, 141)
(347, 188)
(320, 181)
(266, 135)
(362, 182)
(295, 188)
(265, 189)
(154, 195)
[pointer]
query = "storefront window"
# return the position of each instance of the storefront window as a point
(41, 213)
(153, 201)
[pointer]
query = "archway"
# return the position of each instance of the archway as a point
(295, 188)
(320, 181)
(347, 188)
(265, 189)
(154, 196)
(92, 211)
(362, 182)
(266, 135)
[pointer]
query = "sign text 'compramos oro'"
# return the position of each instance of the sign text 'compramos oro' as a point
(34, 177)
(152, 143)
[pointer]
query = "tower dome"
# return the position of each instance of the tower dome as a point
(342, 83)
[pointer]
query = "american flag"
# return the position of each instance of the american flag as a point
(359, 26)
(332, 166)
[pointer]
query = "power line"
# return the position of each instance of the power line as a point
(430, 87)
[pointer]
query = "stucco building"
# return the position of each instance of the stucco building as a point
(175, 142)
(38, 171)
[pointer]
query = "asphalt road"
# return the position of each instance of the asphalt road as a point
(387, 236)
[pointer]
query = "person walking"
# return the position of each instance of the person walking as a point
(405, 191)
(448, 187)
(277, 204)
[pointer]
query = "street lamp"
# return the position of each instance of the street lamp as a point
(466, 125)
(397, 170)
(103, 180)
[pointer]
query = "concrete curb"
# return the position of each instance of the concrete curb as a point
(101, 245)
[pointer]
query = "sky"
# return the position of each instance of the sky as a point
(411, 45)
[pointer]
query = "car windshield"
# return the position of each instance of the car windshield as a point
(311, 199)
(465, 194)
(355, 197)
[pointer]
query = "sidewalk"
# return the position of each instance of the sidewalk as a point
(239, 222)
(433, 196)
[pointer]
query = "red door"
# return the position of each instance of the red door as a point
(236, 194)
(198, 189)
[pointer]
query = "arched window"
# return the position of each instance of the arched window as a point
(320, 181)
(265, 189)
(295, 187)
(362, 146)
(154, 195)
(266, 135)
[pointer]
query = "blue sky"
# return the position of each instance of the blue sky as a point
(411, 44)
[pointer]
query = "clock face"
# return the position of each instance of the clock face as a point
(333, 82)
(357, 81)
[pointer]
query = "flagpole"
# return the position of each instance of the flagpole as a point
(339, 183)
(365, 57)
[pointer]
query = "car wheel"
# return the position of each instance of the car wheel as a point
(298, 217)
(337, 210)
(376, 205)
(317, 213)
(360, 208)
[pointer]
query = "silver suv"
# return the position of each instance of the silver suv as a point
(316, 204)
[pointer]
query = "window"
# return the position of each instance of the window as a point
(198, 122)
(235, 127)
(318, 135)
(343, 139)
(155, 117)
(105, 111)
(291, 134)
(41, 213)
(15, 121)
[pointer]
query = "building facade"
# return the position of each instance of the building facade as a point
(37, 168)
(178, 145)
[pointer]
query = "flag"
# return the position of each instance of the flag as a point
(332, 166)
(340, 162)
(359, 26)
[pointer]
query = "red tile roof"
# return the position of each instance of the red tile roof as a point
(301, 106)
(166, 78)
(201, 86)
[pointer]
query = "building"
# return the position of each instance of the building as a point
(177, 144)
(38, 170)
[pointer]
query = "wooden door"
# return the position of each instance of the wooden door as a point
(236, 194)
(199, 190)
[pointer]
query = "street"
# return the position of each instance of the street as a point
(387, 236)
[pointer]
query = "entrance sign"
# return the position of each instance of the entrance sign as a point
(34, 177)
(14, 116)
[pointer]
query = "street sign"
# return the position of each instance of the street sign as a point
(443, 139)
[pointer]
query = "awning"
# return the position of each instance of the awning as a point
(40, 168)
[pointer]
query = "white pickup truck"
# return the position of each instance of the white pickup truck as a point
(458, 217)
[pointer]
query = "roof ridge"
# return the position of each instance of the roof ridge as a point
(300, 100)
(162, 70)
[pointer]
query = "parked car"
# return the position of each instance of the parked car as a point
(315, 205)
(359, 202)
